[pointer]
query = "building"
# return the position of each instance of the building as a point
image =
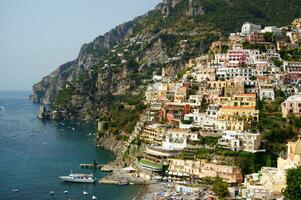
(174, 111)
(292, 67)
(292, 105)
(255, 38)
(206, 74)
(266, 91)
(175, 139)
(272, 29)
(153, 134)
(241, 141)
(201, 169)
(296, 24)
(227, 73)
(195, 100)
(248, 28)
(237, 56)
(272, 179)
(155, 157)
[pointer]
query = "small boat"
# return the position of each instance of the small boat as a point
(123, 183)
(15, 190)
(79, 178)
(94, 197)
(52, 192)
(66, 191)
(85, 193)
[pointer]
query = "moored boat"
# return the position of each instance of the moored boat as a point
(79, 178)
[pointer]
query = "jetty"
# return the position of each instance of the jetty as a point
(91, 165)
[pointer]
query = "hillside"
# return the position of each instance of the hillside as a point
(113, 70)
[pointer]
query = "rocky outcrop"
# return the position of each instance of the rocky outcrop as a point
(194, 9)
(43, 113)
(90, 54)
(109, 142)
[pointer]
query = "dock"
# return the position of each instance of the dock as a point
(92, 165)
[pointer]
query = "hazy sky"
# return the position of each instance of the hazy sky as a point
(36, 36)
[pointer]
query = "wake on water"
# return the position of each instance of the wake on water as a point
(2, 109)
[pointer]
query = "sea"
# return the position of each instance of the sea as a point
(34, 153)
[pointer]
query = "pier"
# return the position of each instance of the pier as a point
(92, 165)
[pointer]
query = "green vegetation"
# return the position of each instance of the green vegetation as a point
(275, 129)
(120, 118)
(248, 162)
(293, 180)
(229, 15)
(291, 54)
(258, 46)
(268, 37)
(209, 140)
(220, 188)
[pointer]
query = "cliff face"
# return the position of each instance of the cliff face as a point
(90, 54)
(117, 65)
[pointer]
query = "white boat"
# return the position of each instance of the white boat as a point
(51, 192)
(94, 197)
(79, 178)
(85, 193)
(66, 191)
(15, 190)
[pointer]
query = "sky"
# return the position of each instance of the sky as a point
(37, 36)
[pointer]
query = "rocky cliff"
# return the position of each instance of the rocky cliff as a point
(90, 54)
(116, 66)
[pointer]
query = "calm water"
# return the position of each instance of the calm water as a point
(34, 154)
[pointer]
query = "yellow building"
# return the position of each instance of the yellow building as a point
(296, 24)
(226, 88)
(242, 100)
(238, 113)
(180, 95)
(153, 134)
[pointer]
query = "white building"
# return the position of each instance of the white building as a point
(272, 29)
(292, 67)
(195, 100)
(175, 139)
(237, 141)
(248, 28)
(236, 72)
(266, 91)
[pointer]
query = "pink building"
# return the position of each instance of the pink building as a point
(292, 106)
(237, 56)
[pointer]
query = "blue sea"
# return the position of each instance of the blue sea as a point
(33, 154)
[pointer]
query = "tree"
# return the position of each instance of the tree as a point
(268, 37)
(293, 180)
(220, 188)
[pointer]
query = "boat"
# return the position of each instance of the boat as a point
(15, 190)
(66, 191)
(79, 178)
(85, 193)
(94, 197)
(123, 183)
(51, 192)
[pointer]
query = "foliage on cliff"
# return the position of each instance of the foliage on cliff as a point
(293, 180)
